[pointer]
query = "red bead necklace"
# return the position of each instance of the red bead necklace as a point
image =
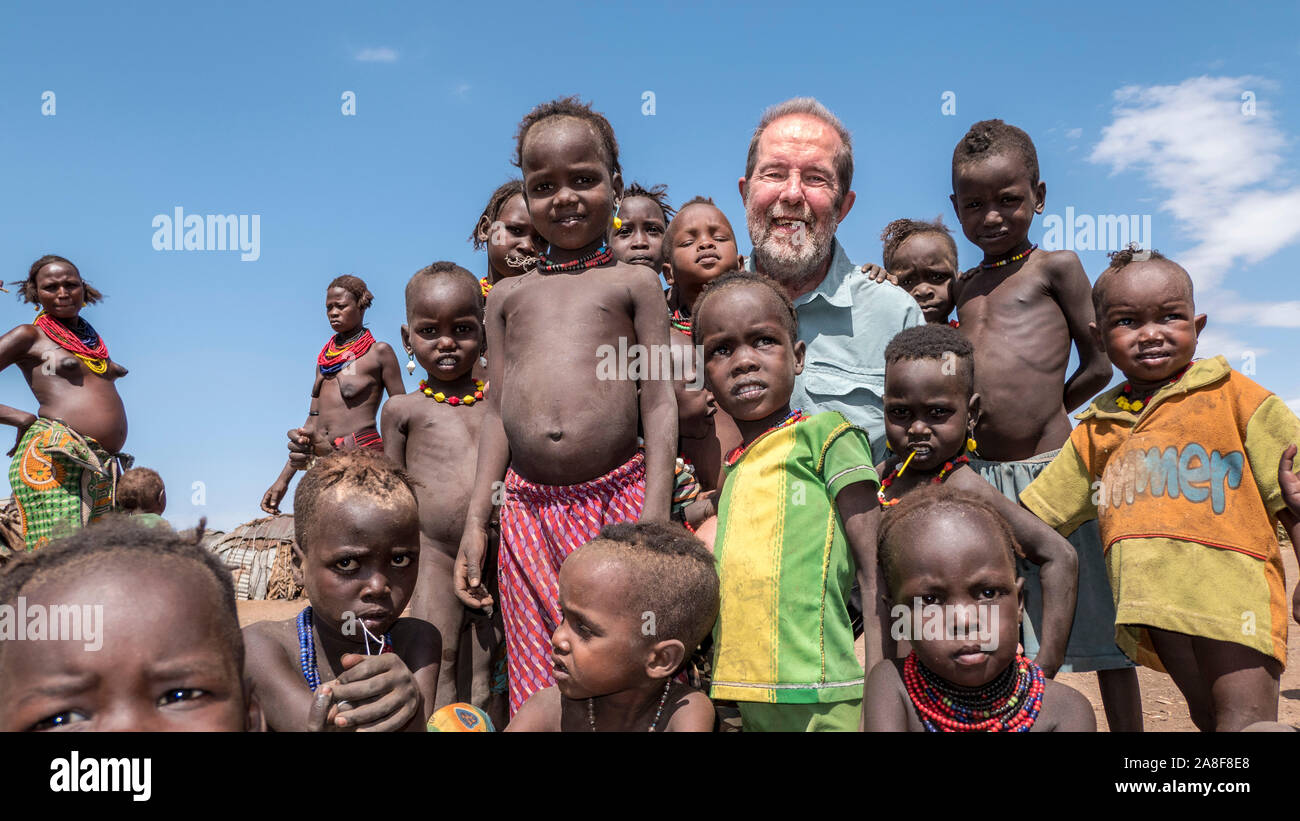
(1008, 704)
(987, 265)
(333, 357)
(595, 259)
(81, 341)
(795, 416)
(937, 480)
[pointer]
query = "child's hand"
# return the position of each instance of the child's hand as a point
(469, 570)
(1288, 481)
(381, 690)
(273, 496)
(875, 273)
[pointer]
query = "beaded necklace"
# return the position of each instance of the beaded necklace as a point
(938, 480)
(1008, 704)
(679, 322)
(467, 399)
(795, 416)
(591, 709)
(1008, 260)
(81, 341)
(595, 259)
(484, 285)
(307, 647)
(333, 357)
(1136, 405)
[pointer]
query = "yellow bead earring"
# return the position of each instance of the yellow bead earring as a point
(618, 223)
(970, 444)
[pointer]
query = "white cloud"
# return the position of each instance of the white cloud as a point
(1213, 342)
(462, 90)
(1217, 165)
(1294, 404)
(1074, 133)
(383, 54)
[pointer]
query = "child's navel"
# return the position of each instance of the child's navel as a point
(556, 435)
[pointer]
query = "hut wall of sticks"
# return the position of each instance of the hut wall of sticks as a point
(259, 555)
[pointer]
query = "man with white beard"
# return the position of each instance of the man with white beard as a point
(797, 190)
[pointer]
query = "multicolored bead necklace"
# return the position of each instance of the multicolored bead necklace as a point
(1008, 260)
(948, 467)
(467, 399)
(595, 259)
(1007, 704)
(333, 357)
(484, 285)
(679, 322)
(307, 647)
(591, 709)
(1136, 405)
(81, 341)
(795, 416)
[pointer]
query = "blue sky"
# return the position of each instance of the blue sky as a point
(236, 109)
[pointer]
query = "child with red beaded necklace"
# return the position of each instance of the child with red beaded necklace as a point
(931, 411)
(952, 555)
(1188, 498)
(433, 433)
(1024, 308)
(563, 438)
(796, 522)
(349, 378)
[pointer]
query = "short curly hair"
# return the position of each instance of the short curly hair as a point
(438, 270)
(139, 489)
(27, 287)
(357, 471)
(575, 108)
(934, 341)
(899, 231)
(356, 286)
(922, 504)
(669, 573)
(658, 194)
(1118, 261)
(738, 279)
(988, 138)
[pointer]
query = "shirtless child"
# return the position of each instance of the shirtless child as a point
(351, 374)
(698, 248)
(1022, 309)
(349, 661)
(568, 437)
(643, 215)
(433, 433)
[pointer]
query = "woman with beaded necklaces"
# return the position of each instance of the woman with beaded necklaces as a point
(67, 454)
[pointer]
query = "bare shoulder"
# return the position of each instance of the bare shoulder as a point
(1066, 710)
(637, 277)
(692, 712)
(539, 714)
(23, 336)
(265, 641)
(886, 706)
(1061, 266)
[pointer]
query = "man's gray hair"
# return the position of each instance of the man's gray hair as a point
(813, 108)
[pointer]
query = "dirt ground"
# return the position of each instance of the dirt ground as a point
(1163, 707)
(1164, 710)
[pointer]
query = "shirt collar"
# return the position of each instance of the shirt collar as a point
(832, 288)
(1202, 372)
